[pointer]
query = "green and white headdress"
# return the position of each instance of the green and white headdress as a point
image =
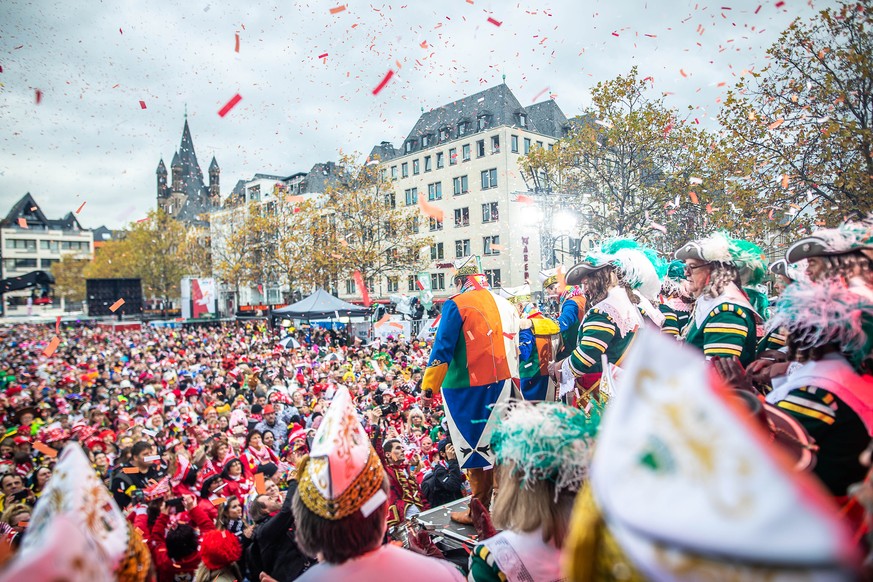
(639, 267)
(718, 247)
(546, 440)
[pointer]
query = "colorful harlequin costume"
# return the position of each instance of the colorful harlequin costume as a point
(474, 362)
(725, 325)
(538, 345)
(571, 305)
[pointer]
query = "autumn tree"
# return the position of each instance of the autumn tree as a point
(153, 251)
(69, 277)
(361, 227)
(629, 167)
(805, 126)
(196, 252)
(229, 248)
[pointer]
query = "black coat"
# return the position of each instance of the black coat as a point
(273, 549)
(448, 484)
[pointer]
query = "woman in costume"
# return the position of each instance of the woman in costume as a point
(675, 303)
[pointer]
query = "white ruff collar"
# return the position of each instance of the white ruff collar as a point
(624, 314)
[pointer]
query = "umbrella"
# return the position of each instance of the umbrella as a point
(333, 357)
(289, 343)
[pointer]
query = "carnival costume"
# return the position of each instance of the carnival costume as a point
(676, 310)
(725, 325)
(537, 347)
(571, 306)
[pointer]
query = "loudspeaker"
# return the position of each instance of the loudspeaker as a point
(104, 293)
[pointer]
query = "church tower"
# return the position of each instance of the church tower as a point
(176, 166)
(214, 189)
(163, 191)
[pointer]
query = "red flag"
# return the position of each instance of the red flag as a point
(359, 281)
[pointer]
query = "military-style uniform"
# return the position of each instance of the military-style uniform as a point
(675, 319)
(724, 327)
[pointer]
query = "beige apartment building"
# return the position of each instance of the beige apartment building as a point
(463, 158)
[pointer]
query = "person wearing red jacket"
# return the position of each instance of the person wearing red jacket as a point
(176, 553)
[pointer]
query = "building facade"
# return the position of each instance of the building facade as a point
(29, 241)
(463, 159)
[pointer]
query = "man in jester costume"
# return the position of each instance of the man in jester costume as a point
(723, 322)
(571, 303)
(474, 361)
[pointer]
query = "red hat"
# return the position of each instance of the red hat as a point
(219, 548)
(269, 409)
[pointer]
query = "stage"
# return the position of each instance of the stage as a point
(447, 534)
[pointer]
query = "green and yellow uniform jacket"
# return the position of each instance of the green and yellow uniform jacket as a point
(724, 326)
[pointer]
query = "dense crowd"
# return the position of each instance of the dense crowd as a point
(232, 457)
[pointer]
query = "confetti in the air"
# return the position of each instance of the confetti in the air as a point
(229, 105)
(430, 210)
(22, 223)
(79, 209)
(337, 9)
(45, 450)
(114, 307)
(236, 47)
(322, 56)
(58, 325)
(383, 82)
(38, 96)
(692, 180)
(494, 21)
(142, 104)
(776, 123)
(53, 345)
(362, 287)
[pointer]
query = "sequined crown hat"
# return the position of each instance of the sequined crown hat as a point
(342, 473)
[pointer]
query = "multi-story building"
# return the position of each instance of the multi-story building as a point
(31, 242)
(463, 158)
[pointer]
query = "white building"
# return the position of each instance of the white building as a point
(463, 157)
(31, 242)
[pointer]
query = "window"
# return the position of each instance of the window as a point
(404, 169)
(493, 276)
(255, 193)
(435, 191)
(49, 245)
(460, 185)
(21, 244)
(411, 196)
(480, 148)
(489, 179)
(19, 263)
(522, 120)
(427, 166)
(513, 144)
(393, 172)
(465, 152)
(414, 226)
(540, 144)
(410, 145)
(495, 144)
(436, 252)
(489, 212)
(425, 141)
(491, 245)
(410, 283)
(462, 248)
(415, 168)
(462, 217)
(67, 245)
(482, 122)
(47, 263)
(453, 156)
(350, 286)
(390, 200)
(435, 224)
(440, 161)
(393, 284)
(445, 133)
(463, 128)
(438, 281)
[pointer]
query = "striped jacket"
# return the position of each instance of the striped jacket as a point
(728, 330)
(598, 335)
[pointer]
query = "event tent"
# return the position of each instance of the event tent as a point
(321, 305)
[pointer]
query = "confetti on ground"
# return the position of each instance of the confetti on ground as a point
(236, 47)
(260, 486)
(229, 105)
(776, 123)
(45, 449)
(383, 82)
(362, 288)
(338, 9)
(494, 21)
(53, 345)
(79, 209)
(429, 209)
(142, 104)
(114, 307)
(38, 96)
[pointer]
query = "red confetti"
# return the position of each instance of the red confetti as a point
(494, 22)
(53, 345)
(509, 336)
(142, 104)
(383, 82)
(236, 48)
(114, 307)
(58, 325)
(120, 31)
(429, 209)
(683, 73)
(758, 9)
(79, 209)
(337, 9)
(362, 288)
(524, 199)
(322, 56)
(693, 197)
(22, 222)
(614, 34)
(229, 105)
(44, 449)
(419, 284)
(38, 96)
(780, 4)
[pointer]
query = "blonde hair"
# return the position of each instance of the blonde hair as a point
(13, 510)
(531, 507)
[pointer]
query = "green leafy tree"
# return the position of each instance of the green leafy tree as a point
(803, 127)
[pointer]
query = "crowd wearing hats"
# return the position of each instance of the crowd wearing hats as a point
(655, 417)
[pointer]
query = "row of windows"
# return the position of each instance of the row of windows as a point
(490, 246)
(464, 127)
(462, 217)
(460, 186)
(47, 245)
(466, 156)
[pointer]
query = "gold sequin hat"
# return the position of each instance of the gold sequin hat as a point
(548, 277)
(471, 265)
(342, 473)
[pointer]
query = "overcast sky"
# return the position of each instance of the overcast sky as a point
(89, 139)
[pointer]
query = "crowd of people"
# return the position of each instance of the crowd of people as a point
(233, 457)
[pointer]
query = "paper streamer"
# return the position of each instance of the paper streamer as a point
(114, 307)
(229, 105)
(362, 288)
(53, 345)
